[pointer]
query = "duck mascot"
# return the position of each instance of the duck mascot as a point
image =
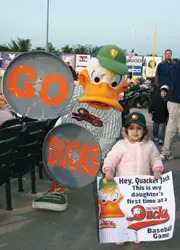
(111, 216)
(94, 106)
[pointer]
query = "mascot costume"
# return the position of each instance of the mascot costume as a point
(39, 85)
(94, 106)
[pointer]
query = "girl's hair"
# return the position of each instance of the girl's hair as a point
(144, 138)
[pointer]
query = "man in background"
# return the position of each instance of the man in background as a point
(163, 69)
(173, 106)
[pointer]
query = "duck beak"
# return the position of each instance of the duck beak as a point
(101, 95)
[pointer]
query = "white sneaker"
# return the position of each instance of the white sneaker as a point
(161, 142)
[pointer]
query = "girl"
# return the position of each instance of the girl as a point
(135, 154)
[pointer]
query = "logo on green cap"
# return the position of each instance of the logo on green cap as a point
(113, 53)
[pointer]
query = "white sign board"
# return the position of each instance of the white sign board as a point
(134, 61)
(136, 208)
(81, 62)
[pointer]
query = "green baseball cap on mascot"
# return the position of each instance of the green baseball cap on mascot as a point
(113, 58)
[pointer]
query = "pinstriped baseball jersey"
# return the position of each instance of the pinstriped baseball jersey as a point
(111, 119)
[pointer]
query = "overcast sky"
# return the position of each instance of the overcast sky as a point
(128, 24)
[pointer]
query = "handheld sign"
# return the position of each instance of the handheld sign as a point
(38, 85)
(136, 208)
(71, 155)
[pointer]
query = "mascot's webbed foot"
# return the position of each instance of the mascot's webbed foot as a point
(53, 201)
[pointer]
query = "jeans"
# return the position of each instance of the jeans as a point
(159, 131)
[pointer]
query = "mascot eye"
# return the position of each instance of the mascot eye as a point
(103, 199)
(102, 196)
(114, 197)
(96, 77)
(114, 84)
(117, 80)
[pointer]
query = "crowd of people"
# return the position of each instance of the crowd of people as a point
(167, 81)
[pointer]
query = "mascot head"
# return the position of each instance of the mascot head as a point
(104, 78)
(109, 199)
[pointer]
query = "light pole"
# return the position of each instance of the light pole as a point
(47, 27)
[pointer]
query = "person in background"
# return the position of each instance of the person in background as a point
(173, 106)
(137, 82)
(163, 69)
(133, 86)
(72, 71)
(6, 112)
(159, 113)
(149, 83)
(129, 77)
(152, 86)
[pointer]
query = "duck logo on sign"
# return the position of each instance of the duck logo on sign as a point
(143, 217)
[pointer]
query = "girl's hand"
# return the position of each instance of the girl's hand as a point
(157, 175)
(109, 175)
